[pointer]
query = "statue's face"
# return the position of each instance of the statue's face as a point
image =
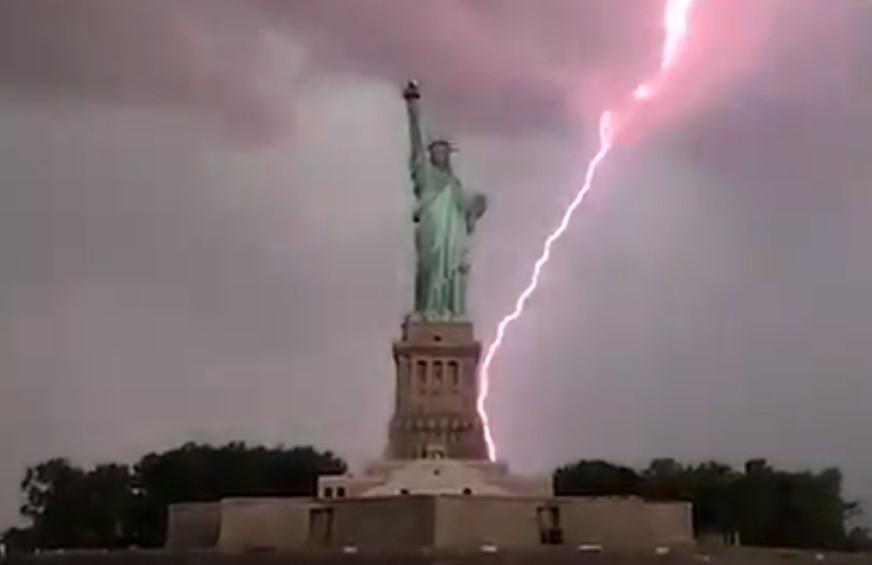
(440, 155)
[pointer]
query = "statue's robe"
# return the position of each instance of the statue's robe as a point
(444, 217)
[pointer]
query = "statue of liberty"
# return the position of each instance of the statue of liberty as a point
(445, 215)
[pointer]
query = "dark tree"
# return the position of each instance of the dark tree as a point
(859, 539)
(667, 479)
(764, 506)
(114, 506)
(708, 487)
(69, 507)
(595, 478)
(196, 472)
(18, 541)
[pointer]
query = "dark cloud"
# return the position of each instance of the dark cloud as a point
(488, 65)
(493, 66)
(205, 56)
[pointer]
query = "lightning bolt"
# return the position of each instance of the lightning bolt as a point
(676, 23)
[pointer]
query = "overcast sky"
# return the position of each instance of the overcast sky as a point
(204, 226)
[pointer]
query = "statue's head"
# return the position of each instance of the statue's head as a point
(440, 153)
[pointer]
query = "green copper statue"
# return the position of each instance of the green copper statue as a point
(444, 217)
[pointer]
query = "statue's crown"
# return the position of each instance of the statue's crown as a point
(442, 141)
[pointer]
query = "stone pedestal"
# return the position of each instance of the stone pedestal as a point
(413, 524)
(435, 413)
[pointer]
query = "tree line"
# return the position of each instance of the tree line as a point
(117, 505)
(757, 505)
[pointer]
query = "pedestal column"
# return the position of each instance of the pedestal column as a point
(436, 393)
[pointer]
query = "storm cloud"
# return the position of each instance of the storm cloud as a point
(489, 66)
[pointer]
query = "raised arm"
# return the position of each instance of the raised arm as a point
(412, 95)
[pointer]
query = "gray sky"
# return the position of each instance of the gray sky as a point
(204, 226)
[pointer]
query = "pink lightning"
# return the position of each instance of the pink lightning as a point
(676, 23)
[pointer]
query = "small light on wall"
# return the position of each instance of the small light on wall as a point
(590, 547)
(489, 548)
